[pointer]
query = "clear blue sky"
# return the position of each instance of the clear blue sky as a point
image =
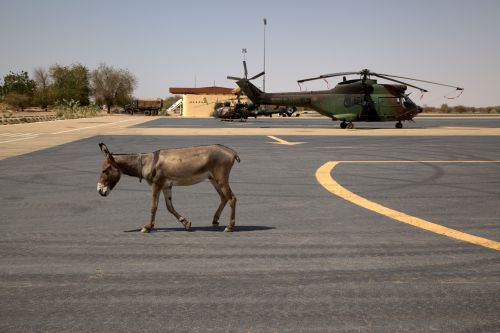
(170, 43)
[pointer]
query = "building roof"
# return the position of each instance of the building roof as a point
(205, 90)
(149, 99)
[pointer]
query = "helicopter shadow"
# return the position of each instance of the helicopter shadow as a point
(241, 228)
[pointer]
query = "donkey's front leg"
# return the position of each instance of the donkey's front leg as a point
(154, 206)
(167, 193)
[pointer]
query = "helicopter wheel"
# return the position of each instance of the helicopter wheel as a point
(399, 125)
(350, 125)
(343, 125)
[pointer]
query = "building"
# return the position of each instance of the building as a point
(200, 102)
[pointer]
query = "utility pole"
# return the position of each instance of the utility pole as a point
(264, 76)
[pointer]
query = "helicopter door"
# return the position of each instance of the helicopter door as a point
(387, 106)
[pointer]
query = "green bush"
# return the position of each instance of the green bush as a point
(72, 110)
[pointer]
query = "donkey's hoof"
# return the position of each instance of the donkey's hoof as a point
(145, 230)
(228, 229)
(215, 225)
(185, 222)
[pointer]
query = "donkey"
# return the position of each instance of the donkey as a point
(166, 168)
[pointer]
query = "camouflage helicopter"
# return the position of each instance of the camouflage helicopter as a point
(235, 109)
(239, 111)
(360, 99)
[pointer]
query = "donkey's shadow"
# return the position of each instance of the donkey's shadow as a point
(242, 228)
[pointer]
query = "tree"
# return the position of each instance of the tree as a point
(18, 83)
(445, 108)
(112, 86)
(42, 95)
(70, 83)
(18, 89)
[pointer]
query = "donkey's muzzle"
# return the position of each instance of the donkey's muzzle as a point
(103, 190)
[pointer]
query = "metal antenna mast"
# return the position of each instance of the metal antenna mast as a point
(264, 77)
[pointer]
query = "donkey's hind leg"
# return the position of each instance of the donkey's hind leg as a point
(232, 203)
(222, 186)
(167, 193)
(223, 202)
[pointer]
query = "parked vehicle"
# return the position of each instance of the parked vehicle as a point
(148, 106)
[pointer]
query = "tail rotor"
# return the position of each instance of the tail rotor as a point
(245, 78)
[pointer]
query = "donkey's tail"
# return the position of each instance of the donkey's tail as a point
(235, 154)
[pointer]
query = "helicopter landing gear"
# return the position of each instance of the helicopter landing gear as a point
(348, 125)
(399, 125)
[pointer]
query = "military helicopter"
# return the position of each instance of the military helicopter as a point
(235, 109)
(360, 99)
(226, 112)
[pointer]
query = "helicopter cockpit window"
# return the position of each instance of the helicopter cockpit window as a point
(406, 102)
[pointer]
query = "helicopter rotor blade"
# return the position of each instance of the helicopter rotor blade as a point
(310, 79)
(366, 73)
(246, 74)
(324, 76)
(409, 78)
(338, 74)
(256, 76)
(245, 68)
(397, 81)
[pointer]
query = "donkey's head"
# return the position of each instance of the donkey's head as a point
(110, 172)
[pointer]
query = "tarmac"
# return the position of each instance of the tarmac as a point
(323, 240)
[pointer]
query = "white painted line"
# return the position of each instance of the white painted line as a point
(16, 135)
(23, 137)
(95, 126)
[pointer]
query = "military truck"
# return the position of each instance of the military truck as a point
(148, 106)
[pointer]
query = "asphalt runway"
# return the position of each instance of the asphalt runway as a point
(484, 121)
(301, 259)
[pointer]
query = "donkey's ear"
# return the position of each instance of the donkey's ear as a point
(105, 150)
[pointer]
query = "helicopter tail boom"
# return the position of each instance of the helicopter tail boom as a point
(251, 91)
(259, 97)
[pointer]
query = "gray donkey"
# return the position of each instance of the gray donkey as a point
(165, 168)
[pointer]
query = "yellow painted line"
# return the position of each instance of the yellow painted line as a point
(436, 161)
(283, 142)
(323, 175)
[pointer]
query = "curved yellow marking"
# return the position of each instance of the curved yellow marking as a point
(323, 175)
